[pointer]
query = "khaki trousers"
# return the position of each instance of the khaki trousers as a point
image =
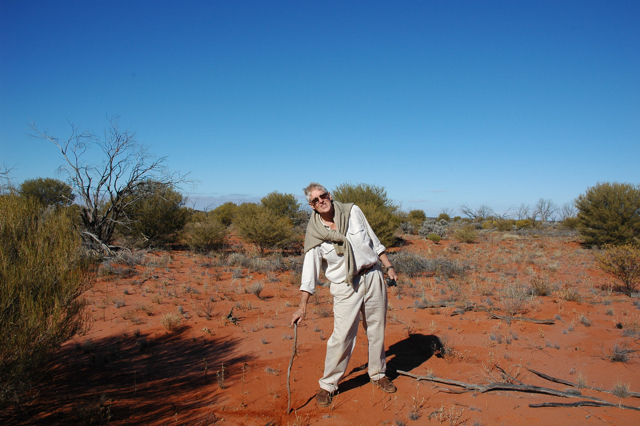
(367, 297)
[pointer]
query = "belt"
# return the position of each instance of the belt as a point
(366, 270)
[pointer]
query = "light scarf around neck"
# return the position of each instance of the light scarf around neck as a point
(318, 233)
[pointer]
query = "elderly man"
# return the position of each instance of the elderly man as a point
(340, 242)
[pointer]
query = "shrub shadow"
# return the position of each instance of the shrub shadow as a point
(134, 380)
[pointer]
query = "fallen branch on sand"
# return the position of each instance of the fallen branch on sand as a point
(592, 401)
(509, 319)
(583, 404)
(575, 385)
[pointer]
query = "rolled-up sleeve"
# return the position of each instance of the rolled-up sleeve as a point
(311, 268)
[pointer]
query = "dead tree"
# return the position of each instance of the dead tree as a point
(107, 188)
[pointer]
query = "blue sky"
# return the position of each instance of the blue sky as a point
(443, 103)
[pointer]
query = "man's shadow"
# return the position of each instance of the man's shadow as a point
(404, 355)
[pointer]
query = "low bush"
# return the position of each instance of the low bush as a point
(609, 213)
(225, 213)
(505, 225)
(515, 298)
(43, 276)
(434, 238)
(157, 215)
(376, 206)
(623, 262)
(414, 265)
(47, 191)
(488, 224)
(466, 234)
(524, 224)
(430, 226)
(260, 226)
(570, 223)
(206, 235)
(171, 321)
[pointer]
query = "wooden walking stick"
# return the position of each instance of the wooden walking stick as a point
(293, 354)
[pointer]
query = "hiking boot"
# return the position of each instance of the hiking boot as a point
(385, 384)
(323, 398)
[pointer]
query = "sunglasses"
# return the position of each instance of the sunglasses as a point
(317, 199)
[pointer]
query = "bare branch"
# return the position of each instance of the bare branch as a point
(107, 188)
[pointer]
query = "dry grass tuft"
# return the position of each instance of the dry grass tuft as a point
(171, 321)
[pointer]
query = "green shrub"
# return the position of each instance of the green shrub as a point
(505, 225)
(609, 213)
(157, 216)
(206, 234)
(415, 219)
(434, 237)
(376, 206)
(42, 276)
(225, 213)
(570, 223)
(443, 216)
(47, 191)
(488, 224)
(524, 224)
(260, 226)
(623, 262)
(466, 234)
(285, 205)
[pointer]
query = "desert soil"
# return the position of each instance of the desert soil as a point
(129, 368)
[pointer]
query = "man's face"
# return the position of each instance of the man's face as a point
(320, 201)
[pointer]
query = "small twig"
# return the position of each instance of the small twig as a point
(507, 374)
(293, 354)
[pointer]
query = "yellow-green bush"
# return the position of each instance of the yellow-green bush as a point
(524, 224)
(434, 237)
(42, 276)
(505, 224)
(156, 215)
(206, 234)
(609, 213)
(258, 225)
(225, 213)
(376, 206)
(466, 234)
(623, 262)
(488, 224)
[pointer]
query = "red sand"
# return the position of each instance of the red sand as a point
(129, 368)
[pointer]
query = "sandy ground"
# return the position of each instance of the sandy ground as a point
(128, 368)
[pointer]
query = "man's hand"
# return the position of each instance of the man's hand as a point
(392, 274)
(299, 315)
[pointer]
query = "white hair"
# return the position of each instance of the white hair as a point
(311, 187)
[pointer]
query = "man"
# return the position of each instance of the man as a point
(340, 242)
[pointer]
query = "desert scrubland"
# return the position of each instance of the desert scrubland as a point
(179, 337)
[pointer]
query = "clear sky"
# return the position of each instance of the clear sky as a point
(443, 103)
